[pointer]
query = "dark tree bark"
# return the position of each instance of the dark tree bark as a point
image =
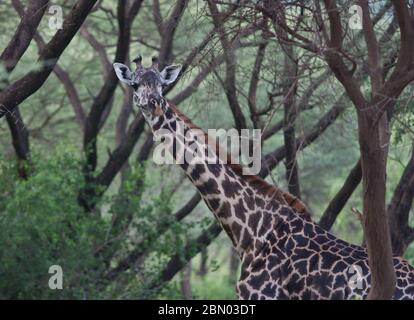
(167, 28)
(355, 176)
(341, 198)
(203, 268)
(11, 55)
(61, 74)
(24, 33)
(93, 121)
(17, 92)
(118, 158)
(229, 84)
(20, 141)
(189, 206)
(399, 210)
(186, 289)
(87, 197)
(254, 82)
(373, 129)
(234, 263)
(374, 150)
(373, 126)
(373, 140)
(383, 278)
(290, 112)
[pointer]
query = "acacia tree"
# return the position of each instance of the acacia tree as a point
(18, 91)
(372, 109)
(9, 58)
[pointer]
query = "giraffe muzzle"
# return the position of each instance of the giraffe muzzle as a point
(155, 104)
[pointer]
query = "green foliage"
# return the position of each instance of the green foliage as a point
(41, 225)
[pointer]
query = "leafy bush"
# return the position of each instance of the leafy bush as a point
(41, 225)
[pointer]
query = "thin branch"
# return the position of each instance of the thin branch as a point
(20, 90)
(341, 198)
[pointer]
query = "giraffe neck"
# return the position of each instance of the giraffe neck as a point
(236, 200)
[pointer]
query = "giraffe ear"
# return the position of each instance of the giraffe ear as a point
(123, 73)
(170, 74)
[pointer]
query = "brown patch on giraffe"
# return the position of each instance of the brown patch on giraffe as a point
(197, 171)
(246, 240)
(158, 110)
(237, 229)
(224, 211)
(254, 220)
(266, 223)
(209, 187)
(243, 291)
(214, 203)
(249, 201)
(296, 204)
(258, 264)
(214, 168)
(231, 188)
(240, 210)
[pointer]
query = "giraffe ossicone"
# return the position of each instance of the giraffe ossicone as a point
(285, 255)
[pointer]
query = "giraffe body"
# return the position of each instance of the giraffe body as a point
(300, 260)
(284, 254)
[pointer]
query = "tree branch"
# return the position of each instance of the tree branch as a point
(341, 198)
(30, 20)
(20, 90)
(230, 58)
(178, 261)
(399, 209)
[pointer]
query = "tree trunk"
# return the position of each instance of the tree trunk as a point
(186, 289)
(399, 210)
(341, 198)
(20, 140)
(289, 87)
(203, 269)
(234, 267)
(374, 138)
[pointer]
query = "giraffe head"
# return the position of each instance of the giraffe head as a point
(148, 84)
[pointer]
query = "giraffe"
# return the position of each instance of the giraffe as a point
(284, 254)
